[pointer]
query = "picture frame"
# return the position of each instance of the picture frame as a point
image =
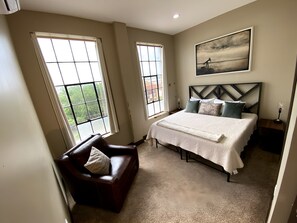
(225, 54)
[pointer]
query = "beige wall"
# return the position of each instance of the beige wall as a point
(29, 191)
(273, 55)
(24, 22)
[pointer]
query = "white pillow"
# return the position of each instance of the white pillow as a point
(194, 99)
(218, 101)
(208, 100)
(98, 162)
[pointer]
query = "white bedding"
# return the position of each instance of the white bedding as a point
(225, 153)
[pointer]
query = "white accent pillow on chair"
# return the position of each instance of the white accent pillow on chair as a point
(98, 162)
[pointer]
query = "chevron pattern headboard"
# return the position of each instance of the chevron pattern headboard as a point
(250, 93)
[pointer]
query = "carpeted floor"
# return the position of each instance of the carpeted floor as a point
(168, 189)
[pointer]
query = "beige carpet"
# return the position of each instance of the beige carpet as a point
(168, 189)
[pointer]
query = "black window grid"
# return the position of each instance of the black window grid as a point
(144, 77)
(79, 84)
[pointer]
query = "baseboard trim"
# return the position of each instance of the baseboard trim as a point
(138, 142)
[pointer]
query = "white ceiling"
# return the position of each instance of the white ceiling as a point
(153, 15)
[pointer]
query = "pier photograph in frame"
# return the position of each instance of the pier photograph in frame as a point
(225, 54)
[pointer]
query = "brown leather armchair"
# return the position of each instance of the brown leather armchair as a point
(108, 191)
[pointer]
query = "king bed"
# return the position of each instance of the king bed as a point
(216, 124)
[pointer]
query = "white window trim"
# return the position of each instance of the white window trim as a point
(55, 102)
(166, 105)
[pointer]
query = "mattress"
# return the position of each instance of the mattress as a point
(226, 152)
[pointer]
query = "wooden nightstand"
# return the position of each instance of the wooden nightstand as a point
(271, 135)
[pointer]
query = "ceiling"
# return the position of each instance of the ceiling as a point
(153, 15)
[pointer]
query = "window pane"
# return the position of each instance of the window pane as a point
(69, 73)
(62, 49)
(62, 96)
(148, 83)
(47, 49)
(69, 116)
(84, 72)
(153, 68)
(89, 92)
(75, 133)
(100, 90)
(160, 81)
(158, 53)
(103, 106)
(92, 50)
(81, 113)
(107, 125)
(145, 69)
(96, 70)
(155, 95)
(93, 110)
(144, 53)
(79, 50)
(149, 94)
(151, 51)
(98, 126)
(85, 130)
(159, 68)
(151, 109)
(162, 105)
(75, 94)
(157, 107)
(161, 96)
(53, 69)
(154, 82)
(139, 54)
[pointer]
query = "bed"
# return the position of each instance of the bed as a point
(213, 137)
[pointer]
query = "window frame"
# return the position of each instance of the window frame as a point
(142, 82)
(67, 133)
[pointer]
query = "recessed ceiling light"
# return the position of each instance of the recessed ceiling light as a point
(176, 16)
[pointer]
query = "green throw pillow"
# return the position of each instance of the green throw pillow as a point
(233, 110)
(192, 106)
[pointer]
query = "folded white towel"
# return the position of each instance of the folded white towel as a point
(195, 132)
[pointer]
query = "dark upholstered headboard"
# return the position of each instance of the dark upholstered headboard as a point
(247, 92)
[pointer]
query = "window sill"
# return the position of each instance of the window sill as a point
(158, 115)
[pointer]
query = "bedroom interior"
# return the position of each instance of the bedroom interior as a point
(267, 182)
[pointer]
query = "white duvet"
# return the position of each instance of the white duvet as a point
(225, 152)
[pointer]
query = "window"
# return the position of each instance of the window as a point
(76, 73)
(151, 67)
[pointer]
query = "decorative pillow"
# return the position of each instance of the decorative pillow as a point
(210, 108)
(207, 100)
(192, 106)
(194, 99)
(98, 162)
(233, 110)
(218, 101)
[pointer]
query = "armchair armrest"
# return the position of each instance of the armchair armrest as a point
(121, 150)
(73, 174)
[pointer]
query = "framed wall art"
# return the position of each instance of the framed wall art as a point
(225, 54)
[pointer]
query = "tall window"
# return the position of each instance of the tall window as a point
(76, 73)
(151, 66)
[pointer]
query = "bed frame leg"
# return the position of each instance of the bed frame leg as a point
(187, 156)
(228, 177)
(181, 153)
(156, 143)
